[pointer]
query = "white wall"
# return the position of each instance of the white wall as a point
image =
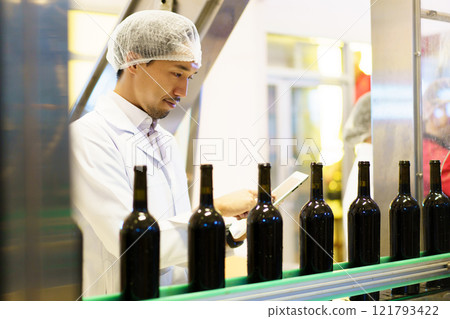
(234, 94)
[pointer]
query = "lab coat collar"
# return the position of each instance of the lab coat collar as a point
(136, 115)
(124, 115)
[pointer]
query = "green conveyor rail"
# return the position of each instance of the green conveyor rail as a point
(238, 285)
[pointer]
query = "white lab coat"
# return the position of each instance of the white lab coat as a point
(106, 144)
(364, 152)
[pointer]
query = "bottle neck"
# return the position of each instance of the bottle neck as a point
(316, 182)
(404, 186)
(206, 186)
(363, 180)
(435, 177)
(140, 190)
(264, 191)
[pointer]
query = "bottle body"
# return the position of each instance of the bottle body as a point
(404, 225)
(436, 214)
(264, 244)
(364, 228)
(206, 240)
(139, 247)
(264, 234)
(436, 209)
(436, 219)
(316, 229)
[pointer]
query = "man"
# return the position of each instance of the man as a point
(155, 54)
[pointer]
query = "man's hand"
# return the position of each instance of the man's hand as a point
(236, 204)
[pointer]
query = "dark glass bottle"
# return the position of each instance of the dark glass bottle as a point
(316, 229)
(404, 225)
(206, 240)
(364, 228)
(78, 238)
(139, 246)
(264, 234)
(436, 219)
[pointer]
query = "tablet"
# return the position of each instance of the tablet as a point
(289, 185)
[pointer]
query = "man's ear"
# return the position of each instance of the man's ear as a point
(132, 69)
(131, 56)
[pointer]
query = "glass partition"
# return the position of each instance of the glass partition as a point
(435, 68)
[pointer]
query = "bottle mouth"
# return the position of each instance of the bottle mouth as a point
(260, 165)
(363, 163)
(140, 168)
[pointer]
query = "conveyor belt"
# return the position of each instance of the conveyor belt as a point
(342, 282)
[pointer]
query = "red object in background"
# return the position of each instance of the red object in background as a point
(445, 175)
(362, 85)
(434, 151)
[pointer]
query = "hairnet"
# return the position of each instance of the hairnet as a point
(153, 35)
(435, 95)
(358, 126)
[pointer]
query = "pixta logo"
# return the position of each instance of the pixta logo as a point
(244, 151)
(155, 150)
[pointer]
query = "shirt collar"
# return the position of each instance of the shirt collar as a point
(137, 117)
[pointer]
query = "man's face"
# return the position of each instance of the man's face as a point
(160, 85)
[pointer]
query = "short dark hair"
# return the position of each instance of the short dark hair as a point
(120, 71)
